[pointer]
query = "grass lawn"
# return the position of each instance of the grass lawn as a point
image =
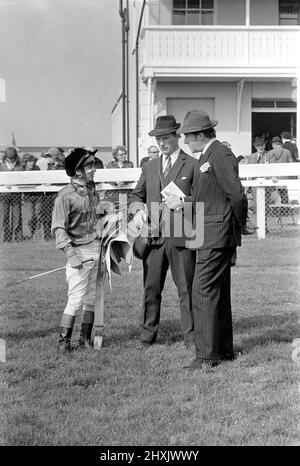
(124, 395)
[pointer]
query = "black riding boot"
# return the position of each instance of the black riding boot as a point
(85, 336)
(64, 343)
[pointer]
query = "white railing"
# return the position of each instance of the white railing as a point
(259, 176)
(52, 180)
(225, 46)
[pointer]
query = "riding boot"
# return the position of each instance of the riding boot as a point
(65, 333)
(64, 342)
(86, 329)
(85, 336)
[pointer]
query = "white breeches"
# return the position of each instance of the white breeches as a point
(82, 283)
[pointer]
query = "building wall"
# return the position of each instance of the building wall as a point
(191, 95)
(230, 12)
(224, 95)
(264, 12)
(265, 90)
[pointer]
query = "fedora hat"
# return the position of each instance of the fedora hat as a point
(259, 141)
(164, 125)
(196, 120)
(276, 139)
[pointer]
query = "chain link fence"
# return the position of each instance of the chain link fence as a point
(278, 215)
(26, 216)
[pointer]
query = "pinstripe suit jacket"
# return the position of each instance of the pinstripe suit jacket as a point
(225, 203)
(150, 184)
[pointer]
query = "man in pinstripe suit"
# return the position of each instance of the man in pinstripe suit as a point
(217, 184)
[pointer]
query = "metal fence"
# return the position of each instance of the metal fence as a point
(27, 198)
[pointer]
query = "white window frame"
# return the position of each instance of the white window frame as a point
(199, 10)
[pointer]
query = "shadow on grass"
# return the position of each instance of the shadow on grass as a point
(22, 334)
(264, 329)
(169, 332)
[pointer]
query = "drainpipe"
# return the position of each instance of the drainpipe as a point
(137, 80)
(121, 13)
(127, 74)
(247, 13)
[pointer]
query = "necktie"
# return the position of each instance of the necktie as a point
(168, 165)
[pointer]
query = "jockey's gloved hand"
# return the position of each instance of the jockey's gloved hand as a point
(75, 262)
(136, 223)
(139, 219)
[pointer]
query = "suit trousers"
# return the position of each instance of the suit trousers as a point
(212, 304)
(155, 265)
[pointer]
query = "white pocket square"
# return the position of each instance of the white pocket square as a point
(204, 167)
(184, 178)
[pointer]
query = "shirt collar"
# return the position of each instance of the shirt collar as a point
(82, 187)
(208, 144)
(173, 156)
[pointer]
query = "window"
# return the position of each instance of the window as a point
(193, 12)
(271, 103)
(289, 14)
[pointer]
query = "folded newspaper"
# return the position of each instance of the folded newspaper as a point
(172, 188)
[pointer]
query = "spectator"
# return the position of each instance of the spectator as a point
(33, 201)
(279, 155)
(12, 212)
(225, 143)
(42, 163)
(55, 162)
(152, 152)
(98, 162)
(119, 154)
(287, 144)
(260, 156)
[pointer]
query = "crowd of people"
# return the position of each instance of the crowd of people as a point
(38, 206)
(283, 150)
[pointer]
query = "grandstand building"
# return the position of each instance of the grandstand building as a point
(236, 59)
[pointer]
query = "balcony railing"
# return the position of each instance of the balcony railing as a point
(221, 46)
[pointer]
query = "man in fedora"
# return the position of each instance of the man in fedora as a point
(279, 154)
(218, 186)
(287, 144)
(259, 156)
(167, 248)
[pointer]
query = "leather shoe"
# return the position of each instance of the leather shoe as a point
(190, 345)
(197, 364)
(228, 357)
(146, 344)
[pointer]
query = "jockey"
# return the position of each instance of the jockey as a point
(74, 223)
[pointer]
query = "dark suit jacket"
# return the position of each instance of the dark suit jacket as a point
(148, 190)
(225, 203)
(292, 148)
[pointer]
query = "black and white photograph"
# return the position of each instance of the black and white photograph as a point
(149, 228)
